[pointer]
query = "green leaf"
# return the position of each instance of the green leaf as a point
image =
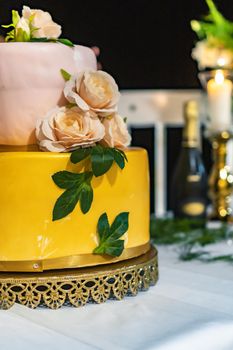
(32, 29)
(119, 158)
(109, 242)
(15, 17)
(66, 42)
(66, 203)
(215, 28)
(22, 35)
(102, 159)
(123, 153)
(215, 15)
(78, 187)
(86, 197)
(7, 25)
(103, 226)
(114, 248)
(62, 41)
(65, 75)
(66, 179)
(119, 226)
(71, 105)
(40, 40)
(80, 154)
(10, 36)
(99, 250)
(227, 258)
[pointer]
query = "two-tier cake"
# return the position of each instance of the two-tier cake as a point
(72, 193)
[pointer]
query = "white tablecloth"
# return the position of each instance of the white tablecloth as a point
(191, 308)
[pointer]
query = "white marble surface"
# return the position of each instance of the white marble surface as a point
(190, 308)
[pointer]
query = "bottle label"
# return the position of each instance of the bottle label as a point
(193, 178)
(190, 143)
(193, 209)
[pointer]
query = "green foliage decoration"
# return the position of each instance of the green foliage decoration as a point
(78, 187)
(214, 28)
(109, 236)
(191, 237)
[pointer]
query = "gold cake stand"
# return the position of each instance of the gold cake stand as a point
(76, 287)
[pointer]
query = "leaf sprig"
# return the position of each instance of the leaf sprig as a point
(109, 236)
(101, 158)
(66, 42)
(78, 187)
(214, 27)
(191, 236)
(21, 35)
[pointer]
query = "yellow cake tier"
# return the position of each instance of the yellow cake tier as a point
(31, 241)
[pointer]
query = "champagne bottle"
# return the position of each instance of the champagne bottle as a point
(189, 185)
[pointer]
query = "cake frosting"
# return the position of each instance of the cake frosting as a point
(31, 241)
(31, 84)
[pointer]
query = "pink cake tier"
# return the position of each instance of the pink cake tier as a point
(31, 84)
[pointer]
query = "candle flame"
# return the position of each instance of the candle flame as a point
(219, 77)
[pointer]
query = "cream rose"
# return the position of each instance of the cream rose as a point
(93, 90)
(209, 56)
(65, 129)
(116, 133)
(42, 25)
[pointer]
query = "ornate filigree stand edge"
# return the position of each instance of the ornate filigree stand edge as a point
(76, 287)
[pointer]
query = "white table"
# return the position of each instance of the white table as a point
(191, 308)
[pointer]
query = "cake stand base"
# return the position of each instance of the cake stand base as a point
(76, 287)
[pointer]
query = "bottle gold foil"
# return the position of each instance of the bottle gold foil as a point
(191, 128)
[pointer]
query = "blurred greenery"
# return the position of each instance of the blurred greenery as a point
(214, 27)
(191, 237)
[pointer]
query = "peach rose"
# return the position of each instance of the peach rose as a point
(93, 90)
(209, 55)
(42, 25)
(116, 133)
(65, 129)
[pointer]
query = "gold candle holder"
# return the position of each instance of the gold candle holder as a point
(218, 84)
(221, 179)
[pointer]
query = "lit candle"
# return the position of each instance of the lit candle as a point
(219, 92)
